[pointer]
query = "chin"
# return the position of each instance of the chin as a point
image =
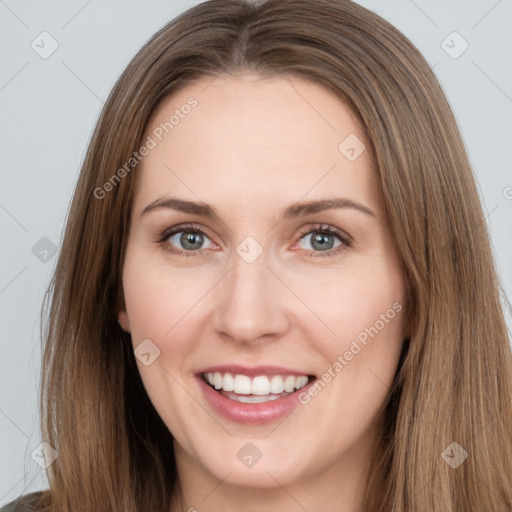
(257, 463)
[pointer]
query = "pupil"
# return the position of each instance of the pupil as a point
(188, 240)
(322, 240)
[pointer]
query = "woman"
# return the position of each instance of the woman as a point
(205, 351)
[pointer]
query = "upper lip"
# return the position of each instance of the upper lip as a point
(252, 371)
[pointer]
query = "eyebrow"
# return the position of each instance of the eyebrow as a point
(292, 211)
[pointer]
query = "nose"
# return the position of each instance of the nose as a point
(250, 305)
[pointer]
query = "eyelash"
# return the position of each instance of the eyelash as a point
(324, 229)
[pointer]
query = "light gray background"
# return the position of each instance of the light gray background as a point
(49, 107)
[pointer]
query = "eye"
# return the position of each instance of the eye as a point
(185, 241)
(188, 240)
(322, 240)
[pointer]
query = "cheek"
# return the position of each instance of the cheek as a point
(366, 309)
(160, 305)
(366, 313)
(348, 302)
(363, 307)
(156, 299)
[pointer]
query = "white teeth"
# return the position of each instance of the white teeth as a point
(254, 399)
(242, 385)
(289, 383)
(300, 382)
(277, 384)
(229, 382)
(259, 386)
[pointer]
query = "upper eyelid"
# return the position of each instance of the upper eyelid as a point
(325, 227)
(166, 233)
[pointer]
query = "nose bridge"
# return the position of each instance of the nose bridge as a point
(249, 307)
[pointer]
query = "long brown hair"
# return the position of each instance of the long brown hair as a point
(454, 383)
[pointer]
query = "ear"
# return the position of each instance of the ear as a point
(122, 315)
(124, 322)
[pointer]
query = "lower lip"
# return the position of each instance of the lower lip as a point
(251, 414)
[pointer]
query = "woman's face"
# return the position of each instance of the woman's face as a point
(259, 257)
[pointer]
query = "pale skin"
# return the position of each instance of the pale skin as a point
(251, 147)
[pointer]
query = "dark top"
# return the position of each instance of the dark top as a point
(26, 503)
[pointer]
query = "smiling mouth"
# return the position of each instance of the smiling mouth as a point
(255, 390)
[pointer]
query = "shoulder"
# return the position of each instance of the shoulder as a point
(26, 503)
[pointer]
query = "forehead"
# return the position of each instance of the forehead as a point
(252, 136)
